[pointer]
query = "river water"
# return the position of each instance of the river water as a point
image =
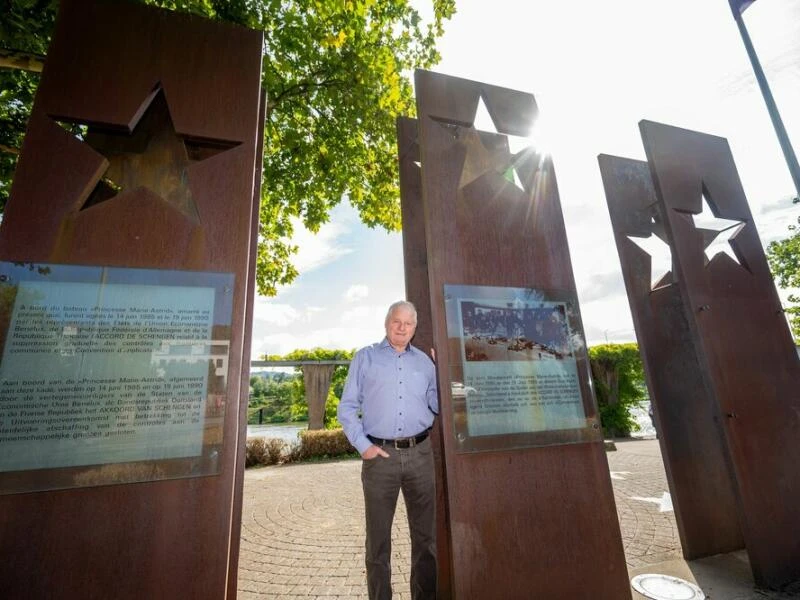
(284, 431)
(288, 431)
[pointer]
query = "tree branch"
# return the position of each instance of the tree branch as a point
(300, 89)
(8, 149)
(25, 61)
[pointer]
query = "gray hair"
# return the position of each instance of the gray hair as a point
(401, 304)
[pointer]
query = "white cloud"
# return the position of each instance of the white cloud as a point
(367, 315)
(277, 343)
(607, 320)
(318, 249)
(358, 314)
(342, 338)
(356, 292)
(274, 314)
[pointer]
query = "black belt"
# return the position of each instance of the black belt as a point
(399, 443)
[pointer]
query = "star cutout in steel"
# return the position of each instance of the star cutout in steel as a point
(487, 149)
(660, 254)
(717, 233)
(151, 155)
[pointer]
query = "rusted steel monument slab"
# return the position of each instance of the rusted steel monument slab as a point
(688, 419)
(528, 498)
(128, 248)
(415, 263)
(730, 335)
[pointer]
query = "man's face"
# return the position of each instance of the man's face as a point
(400, 328)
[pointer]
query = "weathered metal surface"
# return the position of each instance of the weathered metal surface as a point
(317, 380)
(688, 420)
(746, 352)
(244, 385)
(415, 259)
(164, 539)
(522, 522)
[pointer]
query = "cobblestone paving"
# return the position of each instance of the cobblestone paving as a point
(302, 534)
(302, 526)
(649, 535)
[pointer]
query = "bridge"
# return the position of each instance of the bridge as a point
(317, 376)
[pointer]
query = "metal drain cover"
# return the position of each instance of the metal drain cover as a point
(664, 587)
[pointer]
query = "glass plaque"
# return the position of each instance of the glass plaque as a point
(110, 375)
(519, 372)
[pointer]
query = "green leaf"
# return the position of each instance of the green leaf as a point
(336, 76)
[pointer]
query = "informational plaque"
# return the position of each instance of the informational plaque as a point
(110, 375)
(516, 383)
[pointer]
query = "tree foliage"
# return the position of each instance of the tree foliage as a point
(618, 377)
(784, 260)
(276, 395)
(336, 76)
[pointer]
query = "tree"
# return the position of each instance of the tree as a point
(336, 76)
(274, 396)
(618, 377)
(784, 260)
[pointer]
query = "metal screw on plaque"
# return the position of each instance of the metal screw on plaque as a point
(461, 437)
(227, 290)
(595, 426)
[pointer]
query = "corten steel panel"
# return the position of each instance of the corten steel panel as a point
(415, 260)
(523, 522)
(690, 434)
(742, 341)
(107, 62)
(244, 389)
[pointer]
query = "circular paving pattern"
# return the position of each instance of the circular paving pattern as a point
(303, 534)
(303, 526)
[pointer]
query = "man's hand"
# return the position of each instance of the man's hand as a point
(374, 451)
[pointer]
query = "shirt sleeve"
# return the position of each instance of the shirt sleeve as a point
(433, 392)
(349, 410)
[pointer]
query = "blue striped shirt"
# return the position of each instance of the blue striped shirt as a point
(388, 394)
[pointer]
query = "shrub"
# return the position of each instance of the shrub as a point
(264, 451)
(618, 377)
(322, 443)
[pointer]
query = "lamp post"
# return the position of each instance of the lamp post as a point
(738, 7)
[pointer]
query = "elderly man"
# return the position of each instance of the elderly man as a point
(387, 409)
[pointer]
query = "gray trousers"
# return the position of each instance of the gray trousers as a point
(409, 470)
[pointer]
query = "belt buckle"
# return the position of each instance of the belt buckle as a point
(404, 443)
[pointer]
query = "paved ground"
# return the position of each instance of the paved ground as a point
(302, 532)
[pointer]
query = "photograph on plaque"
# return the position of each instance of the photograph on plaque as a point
(515, 378)
(110, 375)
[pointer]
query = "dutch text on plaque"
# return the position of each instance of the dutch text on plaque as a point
(103, 365)
(518, 351)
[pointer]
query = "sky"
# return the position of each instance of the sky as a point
(596, 69)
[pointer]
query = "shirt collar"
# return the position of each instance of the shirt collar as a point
(385, 344)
